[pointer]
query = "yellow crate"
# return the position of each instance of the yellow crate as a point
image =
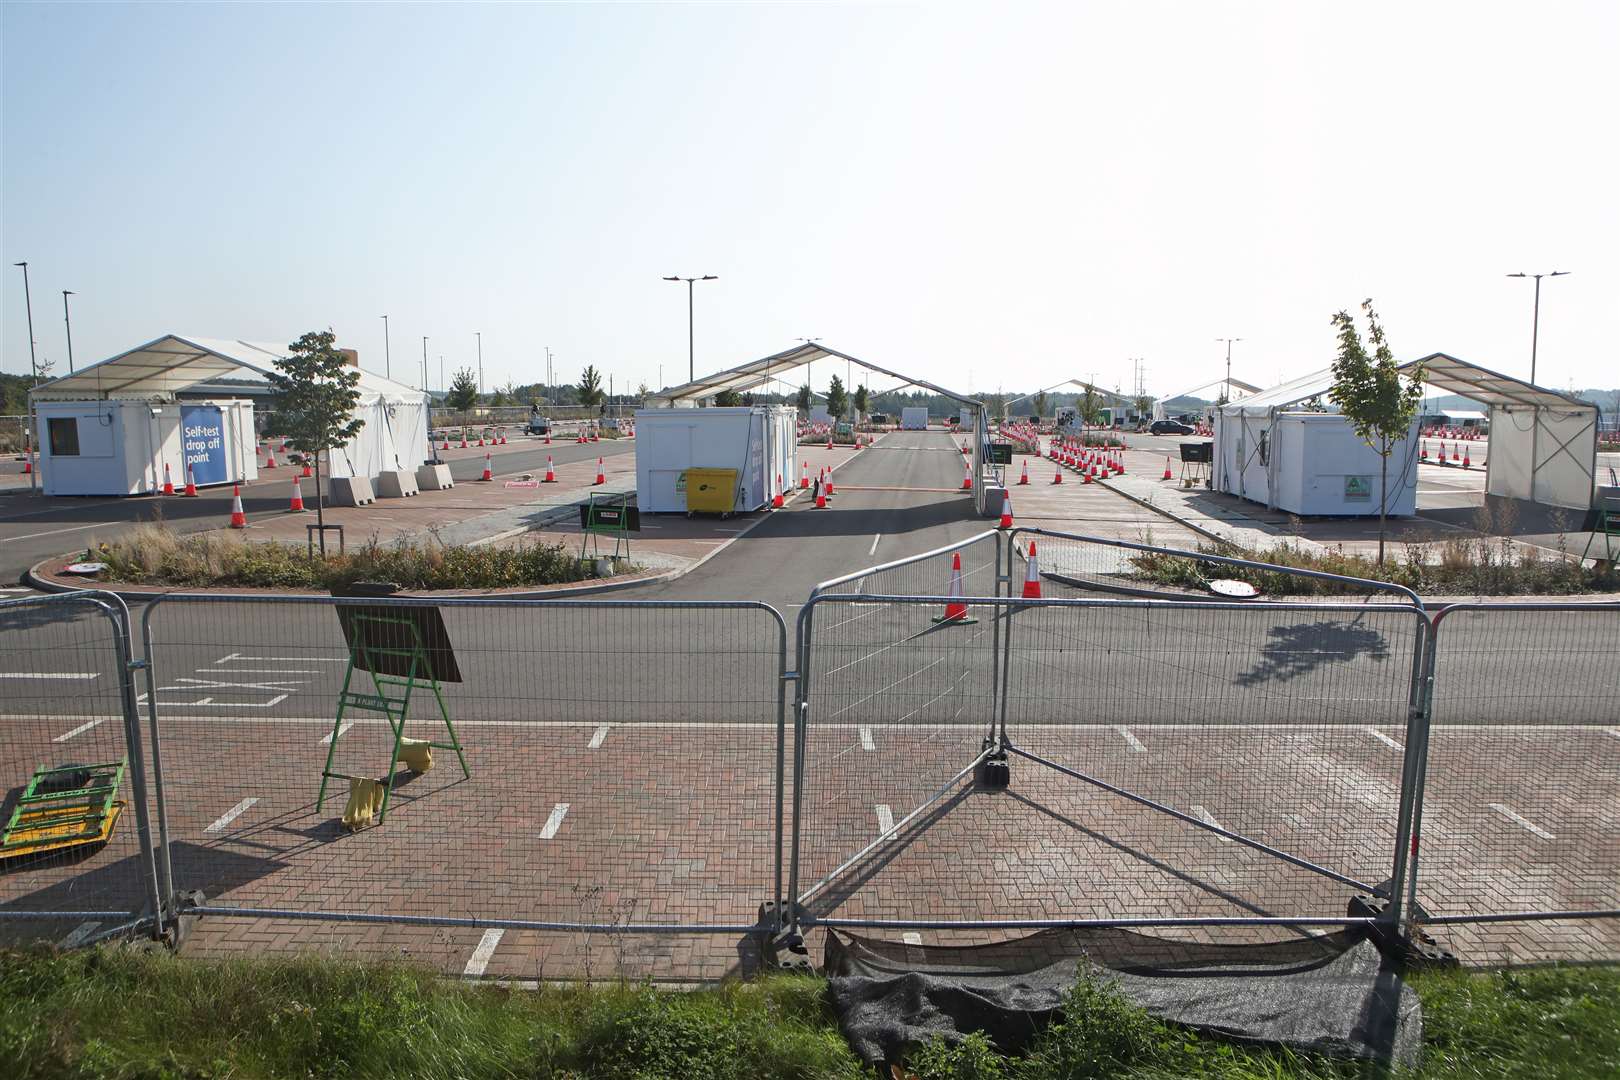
(711, 491)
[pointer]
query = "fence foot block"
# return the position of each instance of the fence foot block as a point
(782, 947)
(1408, 946)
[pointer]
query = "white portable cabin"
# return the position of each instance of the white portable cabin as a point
(122, 447)
(1311, 463)
(757, 440)
(914, 418)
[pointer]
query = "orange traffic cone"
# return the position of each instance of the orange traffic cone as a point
(829, 440)
(548, 436)
(596, 436)
(1032, 576)
(238, 518)
(28, 463)
(480, 440)
(307, 471)
(601, 477)
(464, 438)
(1057, 475)
(489, 473)
(804, 476)
(1085, 476)
(191, 480)
(1423, 452)
(1166, 475)
(777, 502)
(1023, 477)
(503, 439)
(168, 482)
(446, 445)
(1454, 455)
(269, 459)
(829, 484)
(967, 477)
(955, 610)
(1006, 521)
(297, 505)
(821, 495)
(1467, 463)
(551, 475)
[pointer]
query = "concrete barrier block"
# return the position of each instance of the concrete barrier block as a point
(350, 491)
(396, 484)
(434, 478)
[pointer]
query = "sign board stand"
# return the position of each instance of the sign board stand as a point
(606, 515)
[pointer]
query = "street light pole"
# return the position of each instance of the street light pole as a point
(68, 321)
(479, 334)
(442, 387)
(424, 366)
(1535, 324)
(691, 364)
(29, 303)
(388, 359)
(1229, 341)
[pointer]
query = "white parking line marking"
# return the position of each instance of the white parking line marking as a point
(1516, 819)
(1615, 731)
(1209, 819)
(911, 937)
(263, 670)
(866, 738)
(599, 737)
(873, 549)
(1385, 739)
(554, 822)
(479, 960)
(288, 659)
(230, 815)
(345, 726)
(885, 818)
(1131, 740)
(78, 935)
(48, 674)
(80, 730)
(53, 532)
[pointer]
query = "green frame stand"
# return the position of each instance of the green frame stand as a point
(605, 515)
(419, 674)
(1608, 528)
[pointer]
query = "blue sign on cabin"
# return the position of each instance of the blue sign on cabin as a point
(202, 430)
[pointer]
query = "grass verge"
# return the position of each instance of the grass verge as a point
(130, 1013)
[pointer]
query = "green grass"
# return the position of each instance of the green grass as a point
(129, 1013)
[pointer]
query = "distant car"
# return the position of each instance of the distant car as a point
(878, 418)
(1169, 427)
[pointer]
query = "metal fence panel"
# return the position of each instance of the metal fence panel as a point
(1521, 802)
(64, 705)
(622, 762)
(929, 573)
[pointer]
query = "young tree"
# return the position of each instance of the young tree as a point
(1144, 406)
(804, 399)
(1371, 393)
(861, 399)
(590, 387)
(463, 393)
(314, 403)
(1090, 407)
(1040, 404)
(726, 399)
(837, 398)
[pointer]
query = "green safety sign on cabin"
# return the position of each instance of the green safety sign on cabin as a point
(1001, 453)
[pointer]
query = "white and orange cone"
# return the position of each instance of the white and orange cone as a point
(269, 458)
(1023, 477)
(551, 474)
(191, 480)
(1166, 475)
(777, 502)
(804, 476)
(306, 471)
(238, 517)
(955, 609)
(489, 472)
(1057, 475)
(967, 476)
(1006, 521)
(601, 476)
(1467, 462)
(168, 481)
(829, 484)
(821, 495)
(297, 504)
(1032, 576)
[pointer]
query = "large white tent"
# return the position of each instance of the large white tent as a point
(1543, 443)
(395, 434)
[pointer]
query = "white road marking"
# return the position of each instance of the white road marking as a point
(230, 815)
(911, 937)
(80, 730)
(1516, 819)
(885, 818)
(48, 674)
(599, 737)
(53, 532)
(1209, 819)
(479, 960)
(288, 659)
(345, 726)
(78, 935)
(554, 822)
(1385, 739)
(873, 549)
(866, 738)
(1131, 740)
(263, 670)
(1615, 731)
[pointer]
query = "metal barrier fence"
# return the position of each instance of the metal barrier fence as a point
(619, 766)
(77, 860)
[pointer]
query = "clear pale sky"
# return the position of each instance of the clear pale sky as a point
(988, 195)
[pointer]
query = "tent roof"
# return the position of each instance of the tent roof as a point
(757, 373)
(174, 362)
(1441, 370)
(1247, 388)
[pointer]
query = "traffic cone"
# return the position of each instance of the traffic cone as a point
(464, 438)
(489, 473)
(829, 484)
(548, 436)
(238, 518)
(829, 440)
(1454, 455)
(1006, 521)
(1032, 576)
(821, 495)
(269, 459)
(1423, 453)
(777, 502)
(596, 435)
(1467, 464)
(297, 505)
(804, 476)
(28, 463)
(955, 610)
(1166, 475)
(480, 440)
(446, 445)
(967, 477)
(1085, 476)
(551, 475)
(503, 439)
(601, 477)
(168, 483)
(1023, 477)
(191, 480)
(1057, 475)
(306, 471)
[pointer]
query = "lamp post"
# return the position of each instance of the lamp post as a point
(67, 320)
(1228, 341)
(1535, 325)
(388, 359)
(424, 366)
(479, 334)
(29, 303)
(691, 365)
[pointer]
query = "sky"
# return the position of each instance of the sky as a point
(990, 196)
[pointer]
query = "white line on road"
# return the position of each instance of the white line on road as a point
(885, 818)
(599, 737)
(873, 549)
(479, 960)
(78, 935)
(1209, 819)
(1515, 818)
(80, 730)
(230, 815)
(866, 738)
(48, 674)
(289, 659)
(53, 532)
(261, 670)
(1385, 739)
(345, 726)
(1130, 740)
(554, 822)
(911, 937)
(1615, 731)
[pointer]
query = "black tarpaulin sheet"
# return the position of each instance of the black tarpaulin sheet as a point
(1332, 994)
